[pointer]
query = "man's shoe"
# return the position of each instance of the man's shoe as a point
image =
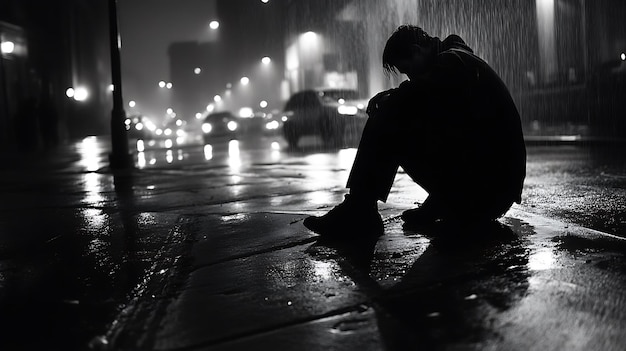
(349, 219)
(427, 214)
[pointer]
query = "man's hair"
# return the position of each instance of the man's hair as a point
(399, 45)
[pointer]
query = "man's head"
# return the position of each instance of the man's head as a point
(408, 51)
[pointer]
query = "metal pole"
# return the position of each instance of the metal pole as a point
(119, 158)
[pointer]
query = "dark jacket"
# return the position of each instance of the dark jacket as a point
(469, 115)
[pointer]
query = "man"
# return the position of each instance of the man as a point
(454, 129)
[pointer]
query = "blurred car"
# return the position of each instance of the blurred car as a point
(261, 123)
(327, 113)
(220, 124)
(254, 124)
(274, 123)
(173, 129)
(138, 127)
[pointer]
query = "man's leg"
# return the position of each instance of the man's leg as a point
(370, 180)
(454, 195)
(376, 162)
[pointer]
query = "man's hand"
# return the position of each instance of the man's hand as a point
(377, 101)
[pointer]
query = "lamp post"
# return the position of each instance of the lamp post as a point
(119, 158)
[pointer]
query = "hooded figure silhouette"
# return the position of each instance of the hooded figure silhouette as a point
(452, 126)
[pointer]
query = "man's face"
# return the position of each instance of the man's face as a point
(414, 65)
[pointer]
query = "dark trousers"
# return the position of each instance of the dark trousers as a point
(441, 160)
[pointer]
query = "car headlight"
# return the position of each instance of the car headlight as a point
(271, 125)
(206, 128)
(232, 126)
(347, 110)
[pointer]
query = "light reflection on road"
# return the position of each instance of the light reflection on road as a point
(208, 152)
(93, 189)
(234, 155)
(542, 259)
(91, 152)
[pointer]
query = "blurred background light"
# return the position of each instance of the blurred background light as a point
(7, 47)
(70, 92)
(81, 94)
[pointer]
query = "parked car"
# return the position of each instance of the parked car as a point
(252, 125)
(327, 113)
(220, 124)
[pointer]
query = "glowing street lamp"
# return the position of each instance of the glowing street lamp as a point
(214, 25)
(7, 47)
(132, 103)
(197, 70)
(81, 94)
(70, 92)
(245, 80)
(168, 85)
(162, 84)
(266, 60)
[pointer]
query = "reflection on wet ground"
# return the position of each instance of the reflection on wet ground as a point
(72, 252)
(604, 253)
(442, 288)
(82, 246)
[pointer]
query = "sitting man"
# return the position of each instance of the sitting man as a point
(454, 129)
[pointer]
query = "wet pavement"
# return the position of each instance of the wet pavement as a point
(202, 247)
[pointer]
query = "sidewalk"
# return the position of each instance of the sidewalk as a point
(216, 258)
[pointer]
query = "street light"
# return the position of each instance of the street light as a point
(214, 25)
(70, 92)
(7, 47)
(162, 84)
(81, 94)
(266, 60)
(119, 157)
(245, 80)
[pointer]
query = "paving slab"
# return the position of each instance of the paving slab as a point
(527, 283)
(255, 294)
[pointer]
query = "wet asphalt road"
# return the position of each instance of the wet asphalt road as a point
(581, 184)
(82, 248)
